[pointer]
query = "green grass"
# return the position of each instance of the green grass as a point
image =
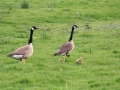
(99, 45)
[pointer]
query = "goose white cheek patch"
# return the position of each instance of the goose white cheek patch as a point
(32, 28)
(17, 56)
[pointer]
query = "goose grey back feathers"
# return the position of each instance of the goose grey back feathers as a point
(65, 48)
(22, 52)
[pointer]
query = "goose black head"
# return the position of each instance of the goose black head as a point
(74, 26)
(34, 28)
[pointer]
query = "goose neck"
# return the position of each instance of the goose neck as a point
(31, 36)
(71, 35)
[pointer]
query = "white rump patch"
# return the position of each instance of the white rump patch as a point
(17, 56)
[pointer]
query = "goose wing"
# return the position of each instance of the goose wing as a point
(20, 51)
(66, 48)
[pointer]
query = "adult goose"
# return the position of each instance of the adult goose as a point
(66, 48)
(26, 51)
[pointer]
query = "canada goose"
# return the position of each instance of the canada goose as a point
(79, 61)
(68, 46)
(26, 51)
(62, 59)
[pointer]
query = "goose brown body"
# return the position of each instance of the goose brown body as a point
(24, 52)
(67, 47)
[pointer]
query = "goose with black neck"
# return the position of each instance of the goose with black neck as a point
(67, 47)
(26, 51)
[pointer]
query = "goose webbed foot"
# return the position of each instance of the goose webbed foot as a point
(68, 55)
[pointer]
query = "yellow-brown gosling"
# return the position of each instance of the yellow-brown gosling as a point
(26, 51)
(79, 61)
(62, 59)
(66, 48)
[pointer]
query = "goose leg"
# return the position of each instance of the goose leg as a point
(68, 55)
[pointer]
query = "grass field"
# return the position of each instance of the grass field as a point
(98, 44)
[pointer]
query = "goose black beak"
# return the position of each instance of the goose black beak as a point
(37, 28)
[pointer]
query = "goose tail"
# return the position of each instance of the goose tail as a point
(9, 55)
(55, 54)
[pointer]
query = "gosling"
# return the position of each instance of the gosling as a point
(63, 59)
(79, 61)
